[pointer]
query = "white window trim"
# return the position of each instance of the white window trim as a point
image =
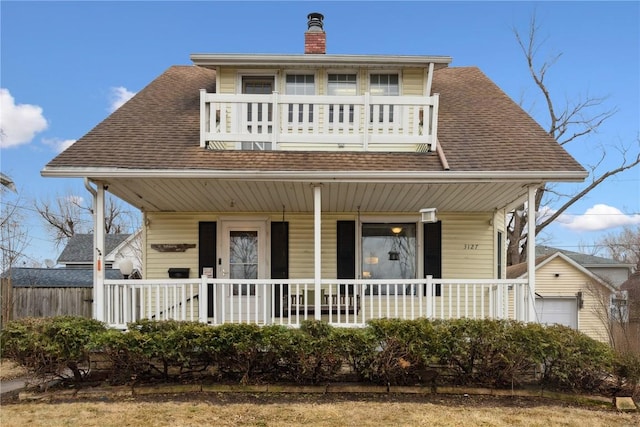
(374, 71)
(257, 73)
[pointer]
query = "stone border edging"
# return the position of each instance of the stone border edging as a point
(126, 391)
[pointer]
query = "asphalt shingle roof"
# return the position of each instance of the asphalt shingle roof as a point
(79, 249)
(56, 277)
(580, 258)
(480, 129)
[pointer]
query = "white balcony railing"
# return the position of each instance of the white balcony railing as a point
(300, 122)
(288, 302)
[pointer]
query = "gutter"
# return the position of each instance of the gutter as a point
(351, 176)
(209, 60)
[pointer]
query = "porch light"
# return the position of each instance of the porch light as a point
(126, 267)
(396, 230)
(429, 215)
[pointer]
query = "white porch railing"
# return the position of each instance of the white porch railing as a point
(288, 302)
(272, 122)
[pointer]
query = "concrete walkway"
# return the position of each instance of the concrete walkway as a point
(8, 386)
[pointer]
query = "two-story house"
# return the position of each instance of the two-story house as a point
(337, 187)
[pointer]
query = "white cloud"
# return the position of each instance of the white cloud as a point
(597, 218)
(18, 122)
(118, 96)
(58, 145)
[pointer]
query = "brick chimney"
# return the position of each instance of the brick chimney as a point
(315, 39)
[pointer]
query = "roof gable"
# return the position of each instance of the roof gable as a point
(519, 271)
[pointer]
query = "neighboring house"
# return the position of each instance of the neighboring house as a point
(338, 187)
(79, 251)
(610, 270)
(572, 294)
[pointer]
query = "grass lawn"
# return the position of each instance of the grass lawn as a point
(235, 409)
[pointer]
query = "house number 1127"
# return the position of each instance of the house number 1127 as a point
(470, 246)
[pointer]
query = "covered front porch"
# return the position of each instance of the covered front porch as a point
(219, 296)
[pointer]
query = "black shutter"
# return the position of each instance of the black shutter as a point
(433, 252)
(280, 259)
(346, 252)
(207, 256)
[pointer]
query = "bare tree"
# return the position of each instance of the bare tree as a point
(69, 215)
(14, 238)
(567, 124)
(624, 246)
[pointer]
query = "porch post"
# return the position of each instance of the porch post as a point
(531, 255)
(99, 255)
(317, 239)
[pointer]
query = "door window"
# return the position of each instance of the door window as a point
(243, 259)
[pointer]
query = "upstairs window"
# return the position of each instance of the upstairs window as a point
(383, 85)
(341, 85)
(300, 84)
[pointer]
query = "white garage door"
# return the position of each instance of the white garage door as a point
(563, 311)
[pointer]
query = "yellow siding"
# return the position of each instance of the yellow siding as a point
(183, 228)
(172, 228)
(467, 246)
(228, 79)
(413, 81)
(472, 230)
(569, 282)
(300, 246)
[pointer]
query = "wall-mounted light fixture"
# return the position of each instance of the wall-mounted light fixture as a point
(429, 215)
(580, 300)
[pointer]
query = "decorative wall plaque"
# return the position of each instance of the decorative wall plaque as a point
(172, 247)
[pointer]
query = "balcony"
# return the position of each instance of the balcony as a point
(330, 123)
(289, 302)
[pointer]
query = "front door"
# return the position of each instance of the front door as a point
(243, 257)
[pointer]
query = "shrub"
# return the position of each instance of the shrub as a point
(404, 350)
(573, 361)
(51, 346)
(487, 353)
(627, 369)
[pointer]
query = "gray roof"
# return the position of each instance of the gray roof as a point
(79, 249)
(56, 277)
(584, 260)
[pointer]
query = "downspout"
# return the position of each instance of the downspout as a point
(441, 156)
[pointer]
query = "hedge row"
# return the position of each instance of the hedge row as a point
(485, 353)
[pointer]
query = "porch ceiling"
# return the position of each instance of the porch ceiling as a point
(216, 195)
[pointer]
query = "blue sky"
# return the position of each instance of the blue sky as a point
(65, 66)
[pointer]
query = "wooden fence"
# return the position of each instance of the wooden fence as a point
(33, 301)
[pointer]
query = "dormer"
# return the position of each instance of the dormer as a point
(314, 101)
